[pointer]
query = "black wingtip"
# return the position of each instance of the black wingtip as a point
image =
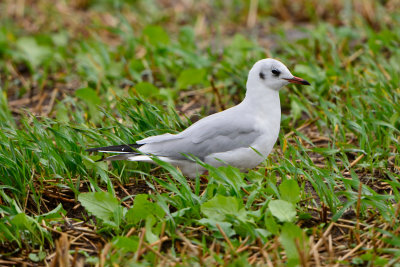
(118, 148)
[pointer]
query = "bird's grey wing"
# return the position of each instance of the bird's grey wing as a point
(157, 139)
(210, 135)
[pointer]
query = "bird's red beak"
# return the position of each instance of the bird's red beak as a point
(298, 80)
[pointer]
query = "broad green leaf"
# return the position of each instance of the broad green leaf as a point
(156, 35)
(60, 38)
(219, 206)
(142, 208)
(289, 234)
(187, 36)
(290, 191)
(36, 257)
(357, 261)
(264, 234)
(100, 204)
(23, 221)
(114, 69)
(191, 77)
(150, 235)
(271, 224)
(33, 53)
(126, 243)
(240, 42)
(88, 95)
(283, 210)
(146, 89)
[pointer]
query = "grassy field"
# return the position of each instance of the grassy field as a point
(78, 74)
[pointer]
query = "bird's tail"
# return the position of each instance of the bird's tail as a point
(120, 149)
(125, 152)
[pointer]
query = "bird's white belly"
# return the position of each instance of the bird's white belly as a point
(189, 168)
(242, 158)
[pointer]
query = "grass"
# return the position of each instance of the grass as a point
(80, 74)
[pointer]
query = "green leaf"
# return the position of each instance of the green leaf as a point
(295, 108)
(142, 208)
(101, 204)
(155, 35)
(9, 234)
(37, 257)
(149, 212)
(126, 243)
(219, 206)
(88, 95)
(60, 39)
(326, 151)
(271, 224)
(240, 42)
(55, 213)
(303, 69)
(62, 113)
(32, 52)
(290, 191)
(151, 237)
(146, 89)
(212, 224)
(357, 261)
(283, 210)
(306, 71)
(191, 77)
(290, 232)
(187, 36)
(264, 234)
(29, 227)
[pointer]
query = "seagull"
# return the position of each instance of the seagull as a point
(241, 136)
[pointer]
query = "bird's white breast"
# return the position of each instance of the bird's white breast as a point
(267, 116)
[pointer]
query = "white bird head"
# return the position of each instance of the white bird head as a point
(272, 74)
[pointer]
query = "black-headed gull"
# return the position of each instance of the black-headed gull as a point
(241, 136)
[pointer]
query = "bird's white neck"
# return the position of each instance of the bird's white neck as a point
(261, 98)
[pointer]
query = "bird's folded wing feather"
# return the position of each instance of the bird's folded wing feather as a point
(210, 135)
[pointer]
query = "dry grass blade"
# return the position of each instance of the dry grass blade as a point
(350, 252)
(315, 253)
(141, 241)
(357, 160)
(61, 258)
(164, 258)
(252, 16)
(321, 240)
(357, 230)
(187, 242)
(226, 237)
(305, 125)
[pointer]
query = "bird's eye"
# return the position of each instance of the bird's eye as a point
(276, 72)
(262, 75)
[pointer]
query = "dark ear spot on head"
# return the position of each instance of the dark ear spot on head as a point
(262, 75)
